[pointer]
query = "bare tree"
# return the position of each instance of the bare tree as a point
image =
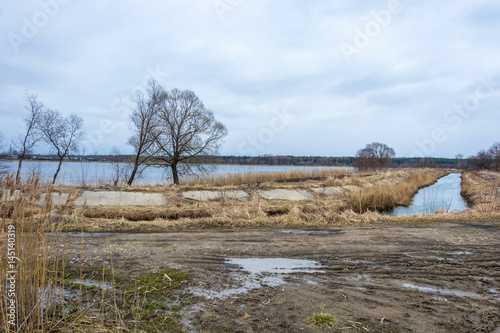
(375, 155)
(481, 161)
(119, 168)
(64, 134)
(494, 151)
(460, 160)
(143, 126)
(187, 132)
(27, 141)
(2, 165)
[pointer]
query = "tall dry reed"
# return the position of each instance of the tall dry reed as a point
(386, 196)
(33, 283)
(251, 177)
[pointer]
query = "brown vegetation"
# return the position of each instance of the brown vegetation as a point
(481, 190)
(400, 192)
(49, 290)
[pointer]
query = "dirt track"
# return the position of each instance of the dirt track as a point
(375, 279)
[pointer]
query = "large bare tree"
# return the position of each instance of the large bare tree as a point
(144, 127)
(32, 135)
(64, 134)
(375, 155)
(187, 132)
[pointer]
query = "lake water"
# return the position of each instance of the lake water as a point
(95, 173)
(445, 194)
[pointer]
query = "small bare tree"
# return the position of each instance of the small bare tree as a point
(2, 165)
(460, 160)
(27, 141)
(494, 151)
(120, 169)
(187, 132)
(64, 134)
(144, 127)
(375, 155)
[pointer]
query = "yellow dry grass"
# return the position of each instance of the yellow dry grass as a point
(395, 191)
(481, 190)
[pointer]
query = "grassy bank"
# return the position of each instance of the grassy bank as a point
(368, 193)
(481, 190)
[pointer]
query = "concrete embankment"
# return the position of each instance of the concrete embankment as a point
(123, 198)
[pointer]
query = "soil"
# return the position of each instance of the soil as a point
(442, 277)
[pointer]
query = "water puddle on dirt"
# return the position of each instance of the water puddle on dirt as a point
(458, 293)
(308, 232)
(443, 195)
(254, 273)
(88, 234)
(92, 283)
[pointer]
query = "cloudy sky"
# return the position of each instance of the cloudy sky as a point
(292, 77)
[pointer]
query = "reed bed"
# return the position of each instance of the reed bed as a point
(481, 190)
(396, 192)
(33, 283)
(243, 178)
(41, 290)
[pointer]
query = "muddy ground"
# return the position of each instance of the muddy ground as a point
(442, 277)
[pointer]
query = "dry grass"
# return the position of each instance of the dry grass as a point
(481, 190)
(39, 283)
(41, 273)
(379, 190)
(246, 178)
(395, 191)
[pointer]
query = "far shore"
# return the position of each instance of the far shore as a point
(277, 165)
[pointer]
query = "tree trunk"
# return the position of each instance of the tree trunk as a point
(175, 174)
(57, 171)
(18, 175)
(134, 171)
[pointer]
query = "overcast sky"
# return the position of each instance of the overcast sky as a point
(285, 76)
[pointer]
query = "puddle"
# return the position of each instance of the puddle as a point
(360, 277)
(456, 253)
(307, 232)
(92, 283)
(274, 265)
(364, 263)
(254, 273)
(56, 296)
(458, 293)
(88, 234)
(461, 253)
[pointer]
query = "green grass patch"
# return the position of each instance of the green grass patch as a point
(164, 280)
(322, 320)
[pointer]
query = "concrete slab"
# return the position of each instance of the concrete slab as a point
(329, 190)
(283, 194)
(215, 195)
(57, 199)
(351, 188)
(116, 198)
(7, 197)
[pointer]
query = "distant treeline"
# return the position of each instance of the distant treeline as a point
(404, 162)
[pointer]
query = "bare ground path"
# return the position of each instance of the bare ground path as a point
(443, 277)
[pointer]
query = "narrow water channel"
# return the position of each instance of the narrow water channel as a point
(445, 194)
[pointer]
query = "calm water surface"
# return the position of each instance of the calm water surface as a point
(78, 173)
(445, 194)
